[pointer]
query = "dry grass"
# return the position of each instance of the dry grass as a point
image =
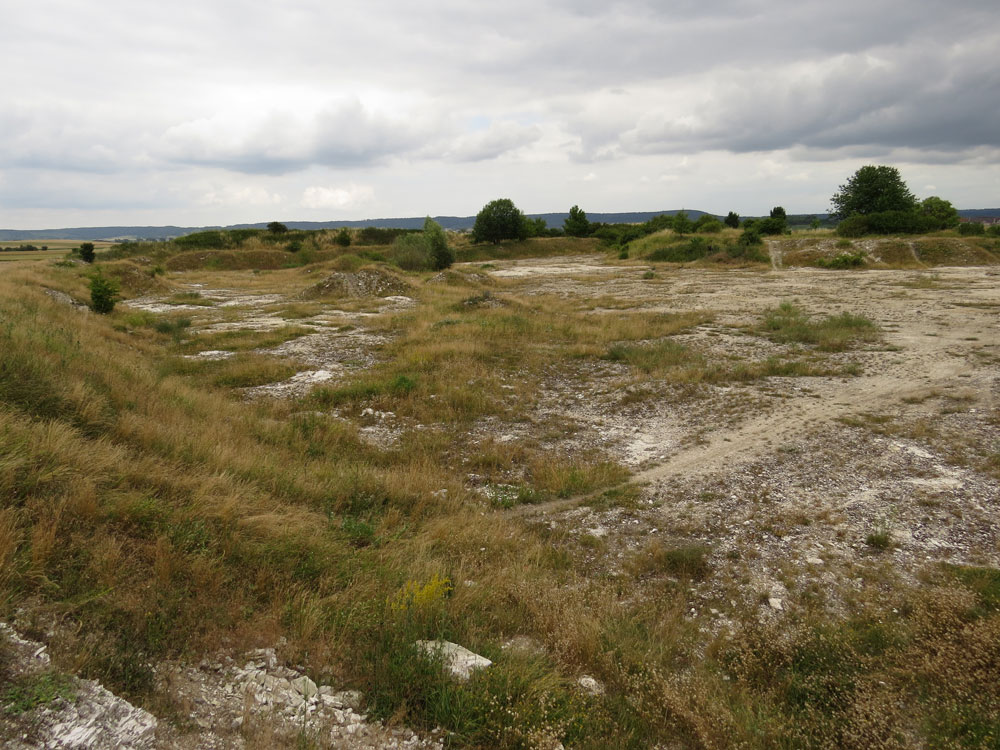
(152, 516)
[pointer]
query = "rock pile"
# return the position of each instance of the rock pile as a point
(368, 282)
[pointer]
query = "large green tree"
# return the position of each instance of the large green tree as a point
(499, 220)
(872, 190)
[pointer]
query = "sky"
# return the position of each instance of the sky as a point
(198, 112)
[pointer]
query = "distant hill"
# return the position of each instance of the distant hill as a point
(456, 223)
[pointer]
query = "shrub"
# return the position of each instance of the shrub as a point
(732, 220)
(276, 227)
(708, 225)
(441, 255)
(87, 252)
(103, 294)
(411, 252)
(771, 225)
(681, 223)
(210, 239)
(843, 260)
(343, 237)
(750, 236)
(970, 228)
(695, 249)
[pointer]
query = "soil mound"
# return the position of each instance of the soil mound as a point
(134, 279)
(367, 282)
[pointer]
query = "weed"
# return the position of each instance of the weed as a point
(27, 692)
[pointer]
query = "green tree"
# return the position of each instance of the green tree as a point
(872, 190)
(343, 237)
(682, 224)
(442, 256)
(499, 220)
(87, 252)
(940, 210)
(103, 293)
(576, 224)
(732, 220)
(779, 213)
(276, 227)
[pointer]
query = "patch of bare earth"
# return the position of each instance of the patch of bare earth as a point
(806, 489)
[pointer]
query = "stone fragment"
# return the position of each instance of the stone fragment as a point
(458, 660)
(775, 604)
(590, 685)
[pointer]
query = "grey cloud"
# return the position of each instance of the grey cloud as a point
(345, 135)
(495, 141)
(944, 100)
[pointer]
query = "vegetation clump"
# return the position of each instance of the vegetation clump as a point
(103, 293)
(789, 323)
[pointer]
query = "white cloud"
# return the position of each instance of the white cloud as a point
(341, 198)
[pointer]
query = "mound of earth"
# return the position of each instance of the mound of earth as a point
(367, 282)
(460, 278)
(134, 279)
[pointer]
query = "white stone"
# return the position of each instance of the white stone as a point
(304, 687)
(590, 686)
(814, 560)
(775, 603)
(458, 660)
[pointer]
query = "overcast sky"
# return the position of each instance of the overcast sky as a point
(197, 112)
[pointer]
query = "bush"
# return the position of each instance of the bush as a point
(411, 252)
(843, 260)
(87, 252)
(887, 222)
(708, 225)
(343, 237)
(441, 255)
(771, 225)
(276, 227)
(681, 223)
(103, 294)
(732, 220)
(750, 236)
(695, 249)
(210, 239)
(971, 228)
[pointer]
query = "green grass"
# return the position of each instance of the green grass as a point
(789, 323)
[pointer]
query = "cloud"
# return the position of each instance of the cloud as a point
(343, 134)
(500, 138)
(240, 196)
(342, 198)
(230, 104)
